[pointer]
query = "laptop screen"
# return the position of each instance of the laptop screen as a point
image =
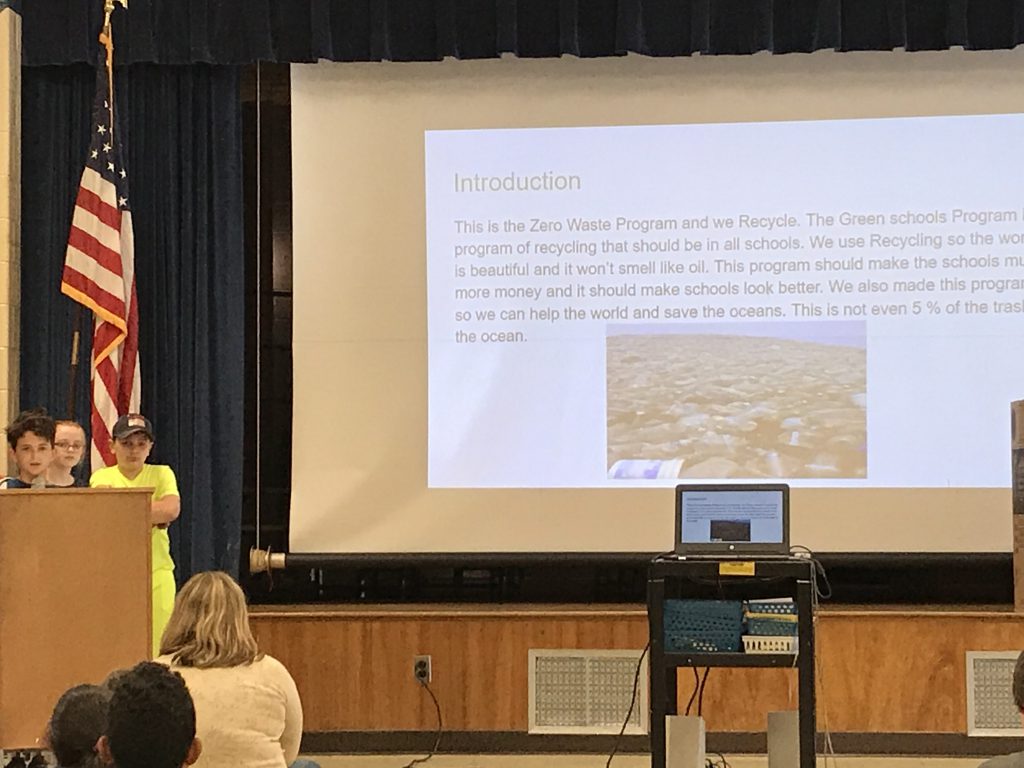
(732, 519)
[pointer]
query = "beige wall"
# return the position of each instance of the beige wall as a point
(10, 210)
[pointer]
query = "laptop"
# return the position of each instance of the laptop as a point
(723, 520)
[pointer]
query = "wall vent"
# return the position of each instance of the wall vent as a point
(990, 707)
(586, 691)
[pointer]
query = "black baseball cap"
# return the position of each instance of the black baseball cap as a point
(131, 423)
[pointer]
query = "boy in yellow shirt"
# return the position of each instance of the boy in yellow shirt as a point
(132, 443)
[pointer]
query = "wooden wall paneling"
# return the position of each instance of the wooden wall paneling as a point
(879, 671)
(895, 674)
(900, 673)
(355, 673)
(739, 699)
(491, 654)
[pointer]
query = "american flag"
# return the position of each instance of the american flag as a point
(99, 272)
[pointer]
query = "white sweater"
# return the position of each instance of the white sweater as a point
(247, 716)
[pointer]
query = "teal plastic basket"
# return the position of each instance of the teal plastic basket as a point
(770, 626)
(770, 617)
(784, 608)
(703, 625)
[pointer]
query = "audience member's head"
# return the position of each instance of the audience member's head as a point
(30, 437)
(111, 680)
(210, 624)
(69, 442)
(78, 720)
(1018, 683)
(151, 720)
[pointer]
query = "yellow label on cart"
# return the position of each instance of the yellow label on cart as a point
(736, 569)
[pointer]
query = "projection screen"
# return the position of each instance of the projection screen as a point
(530, 297)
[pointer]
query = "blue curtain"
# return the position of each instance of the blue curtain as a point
(182, 134)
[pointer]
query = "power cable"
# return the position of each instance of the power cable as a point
(440, 729)
(632, 703)
(700, 696)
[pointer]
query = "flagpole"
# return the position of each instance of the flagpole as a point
(76, 335)
(107, 40)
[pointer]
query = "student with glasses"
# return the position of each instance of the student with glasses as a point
(69, 450)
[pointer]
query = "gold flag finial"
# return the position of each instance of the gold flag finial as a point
(107, 41)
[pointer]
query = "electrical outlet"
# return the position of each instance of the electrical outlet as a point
(421, 668)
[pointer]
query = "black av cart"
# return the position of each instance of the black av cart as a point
(706, 578)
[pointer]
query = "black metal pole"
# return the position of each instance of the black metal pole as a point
(303, 561)
(76, 334)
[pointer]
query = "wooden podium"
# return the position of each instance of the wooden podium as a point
(75, 593)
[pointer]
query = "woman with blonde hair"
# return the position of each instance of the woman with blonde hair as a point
(248, 713)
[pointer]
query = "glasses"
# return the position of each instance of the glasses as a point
(66, 446)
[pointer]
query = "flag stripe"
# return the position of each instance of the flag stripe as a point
(105, 340)
(102, 456)
(104, 210)
(104, 188)
(129, 390)
(85, 291)
(95, 227)
(81, 273)
(106, 373)
(106, 258)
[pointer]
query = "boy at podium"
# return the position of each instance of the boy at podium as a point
(30, 438)
(132, 443)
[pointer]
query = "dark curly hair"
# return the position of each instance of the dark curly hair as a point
(36, 421)
(152, 721)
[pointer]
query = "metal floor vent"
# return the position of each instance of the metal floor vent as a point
(586, 691)
(990, 707)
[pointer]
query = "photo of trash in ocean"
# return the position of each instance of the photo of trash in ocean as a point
(709, 401)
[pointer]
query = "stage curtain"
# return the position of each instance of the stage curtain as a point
(182, 131)
(245, 31)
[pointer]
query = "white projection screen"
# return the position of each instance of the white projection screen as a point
(530, 297)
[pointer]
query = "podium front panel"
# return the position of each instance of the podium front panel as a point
(75, 594)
